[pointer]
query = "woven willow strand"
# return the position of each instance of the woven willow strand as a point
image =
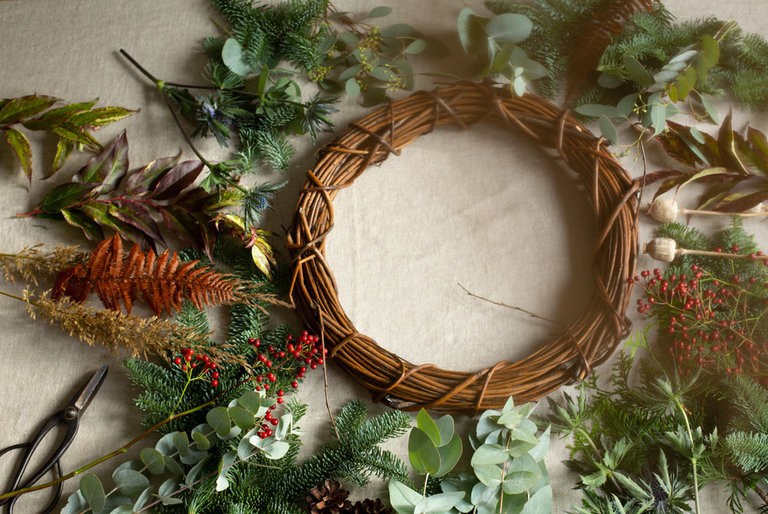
(571, 355)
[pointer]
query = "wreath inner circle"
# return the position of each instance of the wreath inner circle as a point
(568, 357)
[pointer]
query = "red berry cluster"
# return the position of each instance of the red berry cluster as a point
(197, 367)
(274, 366)
(708, 322)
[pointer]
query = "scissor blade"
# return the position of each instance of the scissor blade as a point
(84, 397)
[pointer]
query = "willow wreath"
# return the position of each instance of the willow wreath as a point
(571, 355)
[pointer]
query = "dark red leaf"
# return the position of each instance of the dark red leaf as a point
(180, 177)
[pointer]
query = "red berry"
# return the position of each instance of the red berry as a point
(280, 400)
(215, 374)
(177, 360)
(214, 383)
(294, 384)
(274, 421)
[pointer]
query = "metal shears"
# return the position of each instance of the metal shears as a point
(69, 416)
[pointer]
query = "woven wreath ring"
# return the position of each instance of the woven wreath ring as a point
(571, 355)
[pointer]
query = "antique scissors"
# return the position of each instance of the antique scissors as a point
(69, 416)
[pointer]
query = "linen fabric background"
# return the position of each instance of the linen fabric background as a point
(480, 208)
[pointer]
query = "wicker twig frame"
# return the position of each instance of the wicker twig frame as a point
(567, 358)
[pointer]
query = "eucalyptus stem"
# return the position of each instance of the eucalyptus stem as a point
(115, 453)
(426, 481)
(693, 459)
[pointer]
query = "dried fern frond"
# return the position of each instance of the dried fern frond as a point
(162, 281)
(112, 329)
(595, 37)
(32, 262)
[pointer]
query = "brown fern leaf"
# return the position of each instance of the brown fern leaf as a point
(595, 37)
(163, 281)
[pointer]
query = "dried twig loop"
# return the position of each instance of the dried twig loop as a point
(571, 355)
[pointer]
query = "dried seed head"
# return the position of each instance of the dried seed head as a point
(661, 249)
(664, 210)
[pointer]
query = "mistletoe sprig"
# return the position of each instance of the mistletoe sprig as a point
(72, 124)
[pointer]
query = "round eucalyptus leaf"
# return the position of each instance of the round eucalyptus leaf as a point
(540, 502)
(522, 474)
(423, 453)
(235, 58)
(218, 418)
(122, 509)
(509, 28)
(399, 30)
(181, 442)
(165, 445)
(153, 460)
(250, 400)
(173, 467)
(489, 454)
(93, 492)
(168, 487)
(130, 482)
(352, 88)
(242, 417)
(416, 46)
(143, 498)
(201, 441)
(449, 455)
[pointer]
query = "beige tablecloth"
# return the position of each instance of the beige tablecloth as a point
(478, 208)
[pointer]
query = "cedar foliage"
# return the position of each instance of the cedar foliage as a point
(162, 281)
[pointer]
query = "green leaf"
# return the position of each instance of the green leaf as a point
(399, 30)
(23, 150)
(50, 119)
(181, 442)
(142, 499)
(76, 504)
(153, 459)
(66, 195)
(381, 73)
(194, 472)
(710, 50)
(24, 107)
(708, 107)
(438, 503)
(416, 46)
(379, 12)
(471, 31)
(167, 488)
(201, 442)
(250, 400)
(449, 455)
(284, 426)
(522, 474)
(165, 444)
(597, 110)
(242, 417)
(423, 453)
(402, 498)
(489, 454)
(445, 428)
(425, 422)
(235, 58)
(542, 447)
(658, 118)
(99, 117)
(130, 482)
(350, 72)
(173, 467)
(93, 492)
(540, 502)
(76, 134)
(637, 71)
(218, 418)
(489, 475)
(509, 28)
(224, 464)
(64, 149)
(608, 129)
(352, 88)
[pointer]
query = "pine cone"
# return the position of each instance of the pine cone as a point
(369, 507)
(329, 498)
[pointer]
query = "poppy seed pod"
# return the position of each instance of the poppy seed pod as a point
(664, 210)
(661, 249)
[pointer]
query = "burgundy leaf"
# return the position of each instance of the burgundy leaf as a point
(180, 177)
(140, 181)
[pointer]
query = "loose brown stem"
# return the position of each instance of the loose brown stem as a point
(519, 309)
(325, 377)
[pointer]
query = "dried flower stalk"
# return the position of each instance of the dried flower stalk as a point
(32, 262)
(114, 330)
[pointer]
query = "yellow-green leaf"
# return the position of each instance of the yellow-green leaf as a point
(23, 150)
(24, 107)
(63, 150)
